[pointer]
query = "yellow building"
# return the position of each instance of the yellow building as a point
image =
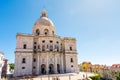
(86, 67)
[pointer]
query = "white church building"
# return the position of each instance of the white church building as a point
(43, 52)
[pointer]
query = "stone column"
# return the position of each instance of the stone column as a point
(38, 65)
(47, 68)
(40, 61)
(62, 68)
(55, 65)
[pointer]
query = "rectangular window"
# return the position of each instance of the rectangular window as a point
(23, 60)
(34, 60)
(34, 47)
(70, 48)
(35, 43)
(23, 67)
(24, 46)
(34, 67)
(71, 60)
(43, 48)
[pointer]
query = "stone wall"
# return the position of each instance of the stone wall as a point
(23, 68)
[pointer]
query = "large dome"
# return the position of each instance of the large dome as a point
(44, 23)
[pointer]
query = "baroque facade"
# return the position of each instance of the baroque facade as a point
(43, 52)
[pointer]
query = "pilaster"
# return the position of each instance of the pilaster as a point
(47, 65)
(62, 68)
(38, 65)
(55, 69)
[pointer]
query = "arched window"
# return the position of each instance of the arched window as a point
(46, 31)
(24, 46)
(37, 32)
(71, 59)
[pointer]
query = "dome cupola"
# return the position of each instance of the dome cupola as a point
(44, 26)
(44, 14)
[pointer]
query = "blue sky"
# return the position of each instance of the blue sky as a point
(94, 23)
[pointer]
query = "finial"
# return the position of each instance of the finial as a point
(44, 13)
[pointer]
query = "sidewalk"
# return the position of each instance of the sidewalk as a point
(68, 76)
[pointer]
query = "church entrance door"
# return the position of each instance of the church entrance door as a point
(51, 69)
(58, 68)
(43, 69)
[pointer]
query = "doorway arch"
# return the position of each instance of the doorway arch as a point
(58, 68)
(43, 69)
(51, 69)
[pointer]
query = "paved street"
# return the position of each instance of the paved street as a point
(69, 76)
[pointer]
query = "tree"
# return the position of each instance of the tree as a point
(96, 77)
(11, 66)
(118, 76)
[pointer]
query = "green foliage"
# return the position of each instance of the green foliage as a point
(96, 77)
(11, 66)
(117, 75)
